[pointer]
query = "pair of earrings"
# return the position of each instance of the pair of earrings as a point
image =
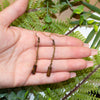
(50, 66)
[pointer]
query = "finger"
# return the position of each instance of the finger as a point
(63, 65)
(45, 40)
(8, 15)
(65, 52)
(41, 78)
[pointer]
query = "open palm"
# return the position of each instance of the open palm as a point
(18, 53)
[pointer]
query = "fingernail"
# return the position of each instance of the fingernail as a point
(94, 52)
(89, 64)
(72, 75)
(86, 45)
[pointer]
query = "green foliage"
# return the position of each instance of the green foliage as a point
(96, 27)
(90, 21)
(79, 9)
(5, 3)
(91, 7)
(14, 94)
(0, 8)
(95, 33)
(40, 16)
(97, 37)
(48, 19)
(94, 17)
(78, 35)
(88, 1)
(90, 36)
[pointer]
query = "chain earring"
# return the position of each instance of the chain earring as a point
(35, 65)
(50, 66)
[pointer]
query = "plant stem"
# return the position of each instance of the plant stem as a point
(70, 6)
(77, 86)
(72, 30)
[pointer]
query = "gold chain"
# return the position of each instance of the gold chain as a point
(35, 66)
(50, 66)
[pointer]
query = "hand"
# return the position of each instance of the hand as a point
(18, 53)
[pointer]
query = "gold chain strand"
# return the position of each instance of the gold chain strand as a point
(50, 66)
(35, 66)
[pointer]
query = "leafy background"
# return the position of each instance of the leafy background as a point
(41, 16)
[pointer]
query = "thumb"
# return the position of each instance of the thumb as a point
(8, 15)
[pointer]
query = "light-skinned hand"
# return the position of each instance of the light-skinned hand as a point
(18, 48)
